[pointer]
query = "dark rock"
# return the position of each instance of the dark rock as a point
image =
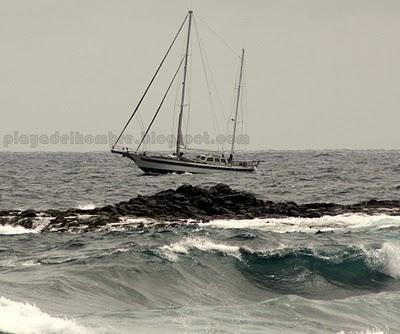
(203, 203)
(221, 189)
(189, 190)
(25, 222)
(28, 214)
(191, 202)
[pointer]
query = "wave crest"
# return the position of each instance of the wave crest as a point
(385, 259)
(24, 318)
(171, 252)
(344, 222)
(287, 269)
(11, 229)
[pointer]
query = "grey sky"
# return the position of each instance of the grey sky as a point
(319, 73)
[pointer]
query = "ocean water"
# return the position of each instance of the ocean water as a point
(224, 276)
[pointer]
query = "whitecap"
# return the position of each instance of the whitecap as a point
(309, 225)
(14, 261)
(24, 318)
(385, 259)
(366, 331)
(11, 229)
(86, 206)
(171, 252)
(118, 251)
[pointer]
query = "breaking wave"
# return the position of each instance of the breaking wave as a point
(366, 331)
(172, 252)
(10, 229)
(355, 266)
(86, 206)
(24, 318)
(386, 259)
(310, 225)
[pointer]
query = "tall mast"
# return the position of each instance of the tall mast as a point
(151, 81)
(179, 139)
(237, 103)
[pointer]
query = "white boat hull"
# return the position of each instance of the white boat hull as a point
(159, 165)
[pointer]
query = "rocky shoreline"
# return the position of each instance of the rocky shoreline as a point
(188, 202)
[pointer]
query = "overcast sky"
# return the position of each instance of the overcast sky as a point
(319, 74)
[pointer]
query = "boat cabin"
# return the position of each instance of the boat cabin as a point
(213, 159)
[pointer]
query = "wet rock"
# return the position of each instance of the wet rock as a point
(28, 214)
(26, 223)
(190, 202)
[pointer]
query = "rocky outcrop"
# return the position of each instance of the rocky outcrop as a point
(188, 202)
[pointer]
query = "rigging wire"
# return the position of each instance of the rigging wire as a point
(180, 141)
(240, 139)
(203, 57)
(161, 103)
(174, 128)
(189, 91)
(246, 109)
(151, 81)
(214, 86)
(233, 100)
(242, 110)
(219, 37)
(174, 113)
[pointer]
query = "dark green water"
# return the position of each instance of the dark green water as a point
(256, 276)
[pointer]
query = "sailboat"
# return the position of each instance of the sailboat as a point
(178, 161)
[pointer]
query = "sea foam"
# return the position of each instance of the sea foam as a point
(367, 331)
(171, 252)
(10, 229)
(86, 206)
(24, 318)
(309, 225)
(385, 259)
